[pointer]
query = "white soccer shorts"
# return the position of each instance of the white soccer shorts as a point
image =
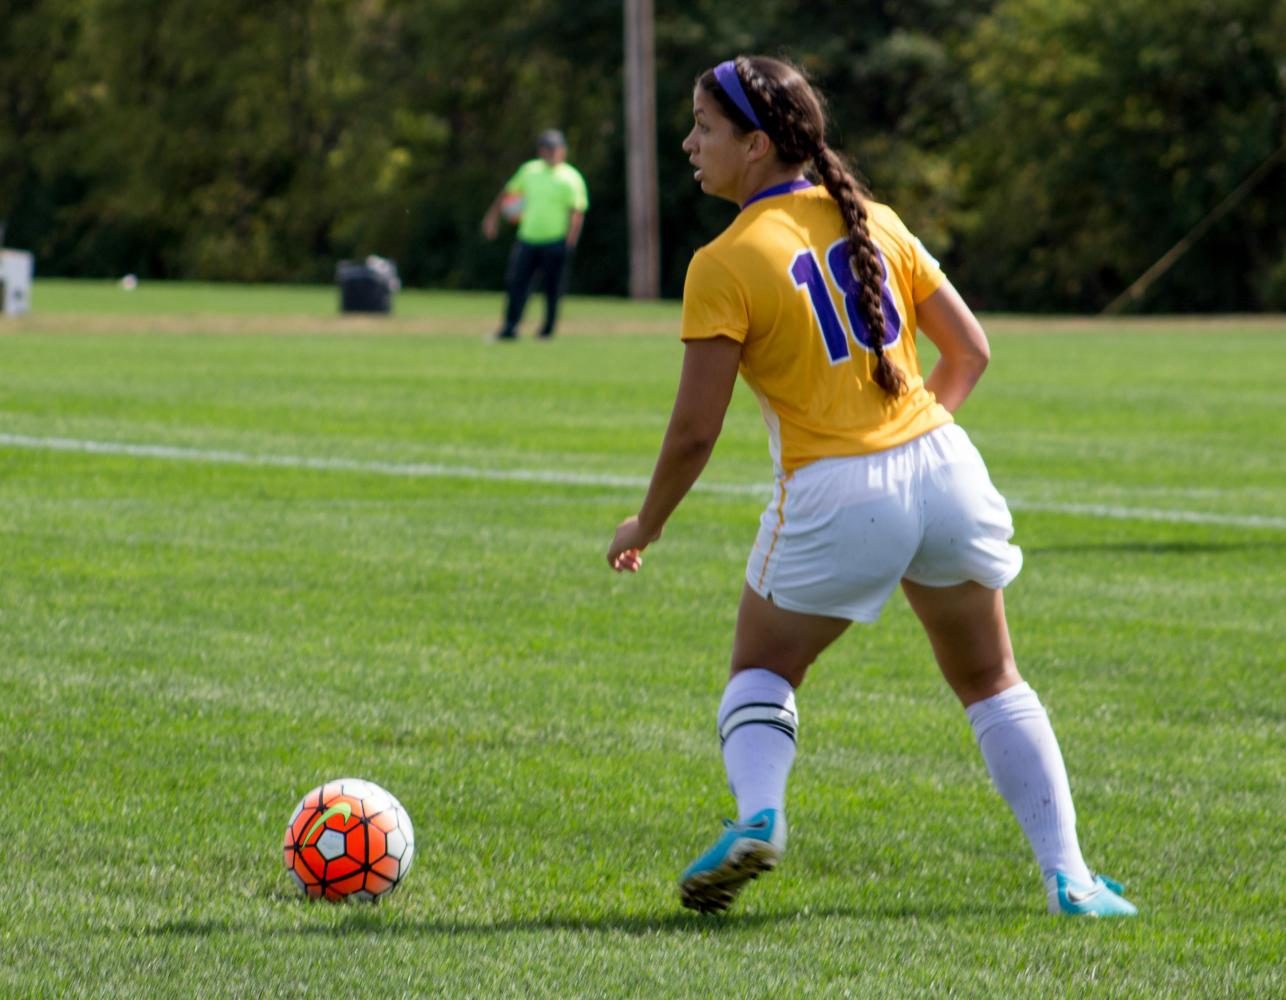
(840, 533)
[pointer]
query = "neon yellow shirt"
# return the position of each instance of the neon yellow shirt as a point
(772, 281)
(550, 194)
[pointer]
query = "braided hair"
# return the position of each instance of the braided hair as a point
(793, 117)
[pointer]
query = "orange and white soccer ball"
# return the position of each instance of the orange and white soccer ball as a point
(511, 205)
(349, 839)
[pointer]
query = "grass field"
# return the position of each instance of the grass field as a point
(247, 545)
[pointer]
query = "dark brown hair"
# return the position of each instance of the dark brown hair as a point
(794, 118)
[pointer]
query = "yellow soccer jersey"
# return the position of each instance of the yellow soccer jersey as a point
(777, 280)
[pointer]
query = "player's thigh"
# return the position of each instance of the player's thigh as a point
(785, 642)
(969, 635)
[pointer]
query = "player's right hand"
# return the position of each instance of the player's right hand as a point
(625, 554)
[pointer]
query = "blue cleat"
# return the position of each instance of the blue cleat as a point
(1101, 898)
(710, 883)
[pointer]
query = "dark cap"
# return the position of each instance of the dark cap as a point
(551, 138)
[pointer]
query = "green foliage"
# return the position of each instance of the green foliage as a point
(1274, 288)
(893, 88)
(1047, 151)
(1104, 131)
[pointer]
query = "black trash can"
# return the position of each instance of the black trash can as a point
(364, 289)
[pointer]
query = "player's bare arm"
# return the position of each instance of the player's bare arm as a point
(705, 389)
(946, 319)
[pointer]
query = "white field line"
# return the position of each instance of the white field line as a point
(434, 470)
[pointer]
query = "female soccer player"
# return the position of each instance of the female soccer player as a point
(814, 293)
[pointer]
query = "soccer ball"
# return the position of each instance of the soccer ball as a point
(511, 207)
(348, 839)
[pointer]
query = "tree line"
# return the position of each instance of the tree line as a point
(1046, 151)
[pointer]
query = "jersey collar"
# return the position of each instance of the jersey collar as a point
(798, 184)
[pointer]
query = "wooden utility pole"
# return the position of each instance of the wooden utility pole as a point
(1141, 283)
(640, 150)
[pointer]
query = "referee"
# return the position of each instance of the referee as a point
(553, 200)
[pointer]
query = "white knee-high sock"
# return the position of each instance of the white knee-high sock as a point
(1026, 765)
(757, 725)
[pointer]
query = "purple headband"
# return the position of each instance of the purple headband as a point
(726, 74)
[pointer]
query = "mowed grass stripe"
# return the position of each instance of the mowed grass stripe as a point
(555, 477)
(186, 648)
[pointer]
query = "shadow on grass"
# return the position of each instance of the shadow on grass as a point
(1153, 548)
(373, 922)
